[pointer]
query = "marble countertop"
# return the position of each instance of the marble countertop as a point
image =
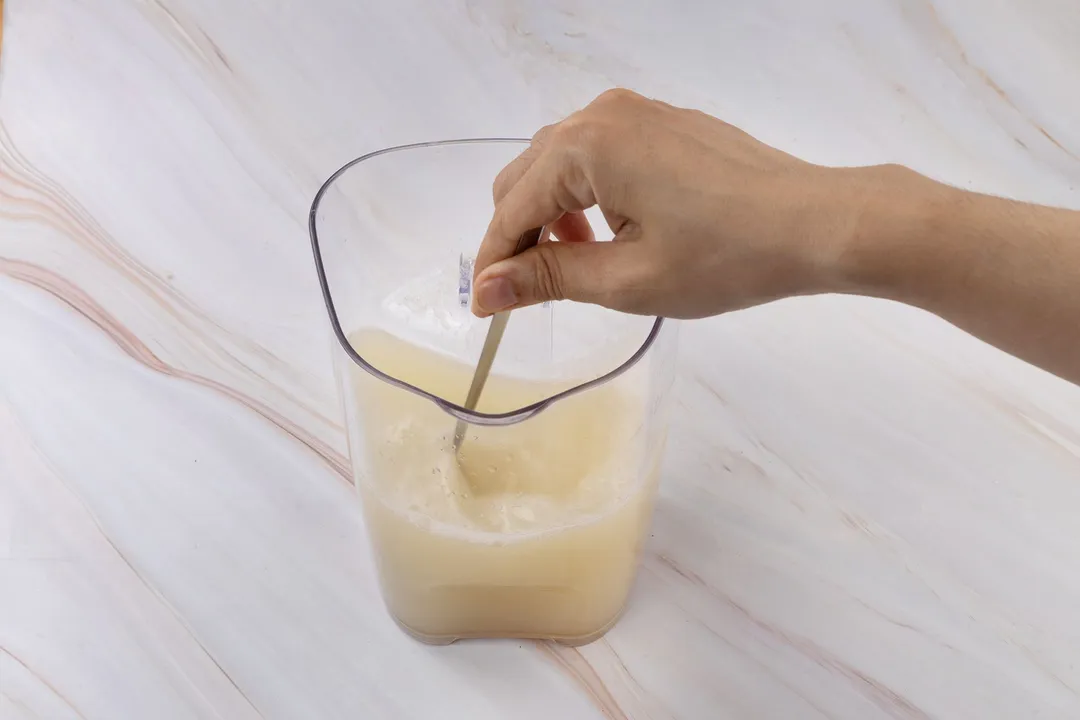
(864, 513)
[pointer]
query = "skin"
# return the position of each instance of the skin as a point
(708, 220)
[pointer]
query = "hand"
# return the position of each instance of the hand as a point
(706, 218)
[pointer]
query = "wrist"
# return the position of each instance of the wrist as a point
(895, 248)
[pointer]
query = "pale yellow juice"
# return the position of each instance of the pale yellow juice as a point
(532, 530)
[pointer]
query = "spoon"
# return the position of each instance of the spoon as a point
(495, 332)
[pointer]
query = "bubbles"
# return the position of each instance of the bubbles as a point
(429, 306)
(569, 465)
(523, 513)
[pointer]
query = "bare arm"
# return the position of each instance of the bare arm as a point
(1007, 272)
(708, 220)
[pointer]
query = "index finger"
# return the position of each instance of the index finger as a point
(552, 186)
(510, 174)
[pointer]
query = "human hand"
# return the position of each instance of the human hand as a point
(706, 218)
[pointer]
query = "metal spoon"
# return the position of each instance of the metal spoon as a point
(491, 345)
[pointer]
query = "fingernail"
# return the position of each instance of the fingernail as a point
(495, 295)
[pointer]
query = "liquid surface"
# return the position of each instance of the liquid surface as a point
(556, 469)
(530, 530)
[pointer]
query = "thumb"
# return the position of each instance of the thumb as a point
(585, 272)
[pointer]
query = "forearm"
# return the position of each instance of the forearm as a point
(1007, 272)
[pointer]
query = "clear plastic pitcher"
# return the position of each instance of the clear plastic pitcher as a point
(533, 527)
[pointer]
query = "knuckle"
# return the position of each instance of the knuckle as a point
(565, 131)
(616, 95)
(573, 191)
(582, 134)
(549, 276)
(544, 133)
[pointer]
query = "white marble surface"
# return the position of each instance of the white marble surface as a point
(864, 513)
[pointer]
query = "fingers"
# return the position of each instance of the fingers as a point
(599, 273)
(552, 185)
(573, 227)
(517, 167)
(513, 172)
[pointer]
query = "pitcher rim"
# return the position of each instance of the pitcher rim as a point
(473, 417)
